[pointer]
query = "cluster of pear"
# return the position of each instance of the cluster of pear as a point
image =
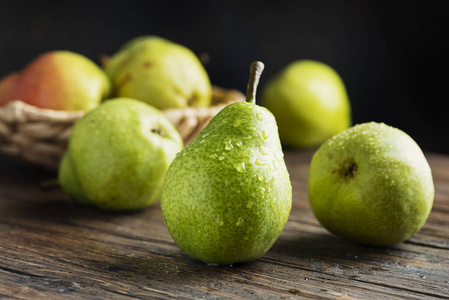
(227, 195)
(369, 183)
(119, 151)
(148, 68)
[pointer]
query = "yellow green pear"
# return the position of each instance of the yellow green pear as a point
(118, 155)
(159, 72)
(227, 195)
(310, 103)
(371, 184)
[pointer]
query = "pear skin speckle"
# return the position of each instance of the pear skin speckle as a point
(159, 72)
(124, 175)
(371, 184)
(236, 219)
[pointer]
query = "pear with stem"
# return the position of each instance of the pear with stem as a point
(227, 196)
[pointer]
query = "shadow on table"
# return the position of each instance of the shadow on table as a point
(53, 205)
(326, 249)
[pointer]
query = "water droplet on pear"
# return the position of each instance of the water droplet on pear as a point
(264, 150)
(228, 145)
(264, 134)
(240, 167)
(219, 220)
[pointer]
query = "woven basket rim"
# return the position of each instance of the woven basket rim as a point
(40, 135)
(18, 109)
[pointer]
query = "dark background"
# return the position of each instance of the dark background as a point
(392, 55)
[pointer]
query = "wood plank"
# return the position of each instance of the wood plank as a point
(52, 247)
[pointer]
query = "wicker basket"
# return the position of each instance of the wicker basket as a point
(39, 136)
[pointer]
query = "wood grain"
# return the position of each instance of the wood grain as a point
(53, 248)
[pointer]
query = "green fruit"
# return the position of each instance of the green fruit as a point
(69, 181)
(131, 43)
(227, 195)
(160, 73)
(310, 103)
(371, 184)
(118, 155)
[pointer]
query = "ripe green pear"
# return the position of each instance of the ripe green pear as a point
(227, 195)
(159, 72)
(371, 184)
(62, 80)
(68, 180)
(118, 155)
(310, 103)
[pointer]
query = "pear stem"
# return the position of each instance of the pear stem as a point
(255, 70)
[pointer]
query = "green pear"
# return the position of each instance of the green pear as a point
(61, 80)
(310, 103)
(69, 181)
(371, 184)
(227, 195)
(118, 155)
(131, 43)
(159, 72)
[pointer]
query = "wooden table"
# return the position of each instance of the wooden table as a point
(52, 248)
